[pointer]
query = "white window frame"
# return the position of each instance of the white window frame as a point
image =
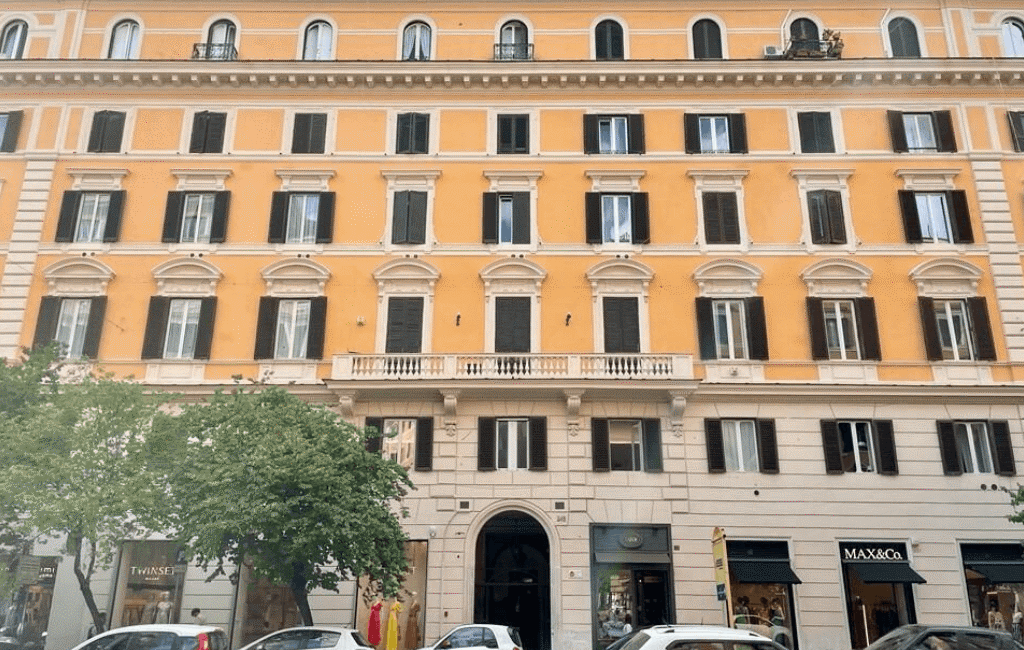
(722, 31)
(416, 50)
(948, 314)
(853, 430)
(835, 330)
(739, 443)
(734, 312)
(91, 220)
(299, 227)
(836, 180)
(509, 434)
(291, 331)
(197, 213)
(616, 219)
(12, 43)
(838, 136)
(72, 323)
(919, 127)
(509, 181)
(405, 278)
(969, 449)
(182, 328)
(597, 20)
(620, 278)
(508, 278)
(398, 440)
(324, 43)
(706, 124)
(492, 129)
(636, 444)
(933, 217)
(133, 40)
(1012, 47)
(409, 180)
(613, 134)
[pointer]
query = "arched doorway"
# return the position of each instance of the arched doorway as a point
(513, 577)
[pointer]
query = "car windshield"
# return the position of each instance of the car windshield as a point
(637, 641)
(892, 640)
(513, 633)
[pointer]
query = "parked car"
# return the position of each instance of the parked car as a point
(699, 637)
(777, 633)
(168, 636)
(478, 636)
(945, 637)
(319, 637)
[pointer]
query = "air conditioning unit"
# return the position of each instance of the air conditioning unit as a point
(772, 52)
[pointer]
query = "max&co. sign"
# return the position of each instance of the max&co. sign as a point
(872, 552)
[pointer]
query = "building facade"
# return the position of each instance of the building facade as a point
(607, 276)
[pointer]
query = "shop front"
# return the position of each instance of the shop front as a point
(761, 589)
(994, 574)
(149, 583)
(878, 582)
(26, 612)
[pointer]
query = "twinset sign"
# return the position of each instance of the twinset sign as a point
(872, 552)
(151, 573)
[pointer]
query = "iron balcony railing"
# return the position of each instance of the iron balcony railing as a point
(214, 51)
(802, 48)
(513, 52)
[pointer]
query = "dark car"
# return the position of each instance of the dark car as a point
(945, 637)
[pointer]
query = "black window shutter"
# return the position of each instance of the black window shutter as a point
(301, 133)
(867, 325)
(424, 444)
(706, 329)
(325, 218)
(417, 218)
(897, 132)
(405, 325)
(219, 224)
(486, 456)
(115, 209)
(640, 218)
(216, 125)
(520, 217)
(885, 447)
(593, 209)
(815, 132)
(113, 132)
(538, 443)
(715, 446)
(947, 449)
(1002, 449)
(1016, 119)
(707, 40)
(400, 218)
(278, 217)
(590, 139)
(637, 143)
(817, 213)
(621, 325)
(960, 216)
(156, 328)
(99, 123)
(691, 132)
(317, 132)
(374, 441)
(522, 134)
(903, 38)
(46, 323)
(930, 329)
(981, 329)
(512, 324)
(945, 136)
(836, 223)
(616, 48)
(489, 218)
(266, 328)
(767, 447)
(652, 445)
(172, 217)
(11, 132)
(403, 136)
(738, 133)
(421, 132)
(831, 447)
(506, 134)
(317, 326)
(204, 333)
(713, 226)
(600, 449)
(94, 328)
(69, 206)
(200, 124)
(911, 218)
(816, 323)
(757, 329)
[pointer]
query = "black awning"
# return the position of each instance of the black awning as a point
(999, 572)
(763, 571)
(876, 572)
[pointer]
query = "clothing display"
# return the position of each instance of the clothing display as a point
(373, 628)
(392, 643)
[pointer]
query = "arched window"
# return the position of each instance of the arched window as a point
(608, 41)
(12, 40)
(1013, 37)
(124, 41)
(416, 42)
(903, 39)
(221, 41)
(317, 46)
(515, 41)
(804, 34)
(707, 40)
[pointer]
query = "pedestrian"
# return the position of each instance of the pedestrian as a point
(1018, 622)
(197, 616)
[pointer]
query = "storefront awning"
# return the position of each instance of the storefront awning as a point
(1000, 572)
(632, 557)
(876, 572)
(763, 571)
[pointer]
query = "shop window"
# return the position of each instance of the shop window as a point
(994, 574)
(512, 443)
(407, 441)
(761, 589)
(150, 583)
(266, 607)
(626, 445)
(877, 578)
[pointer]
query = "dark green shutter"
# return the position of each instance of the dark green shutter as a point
(278, 217)
(651, 428)
(424, 444)
(816, 324)
(325, 218)
(947, 449)
(707, 40)
(94, 328)
(266, 328)
(897, 132)
(538, 443)
(219, 224)
(960, 216)
(981, 329)
(621, 325)
(1016, 119)
(1002, 449)
(640, 219)
(591, 142)
(738, 133)
(637, 142)
(715, 445)
(757, 328)
(595, 234)
(867, 325)
(706, 329)
(417, 233)
(911, 218)
(885, 447)
(69, 206)
(767, 447)
(520, 217)
(156, 328)
(172, 217)
(489, 218)
(115, 210)
(945, 137)
(405, 325)
(831, 447)
(204, 333)
(486, 444)
(691, 132)
(46, 322)
(599, 444)
(317, 327)
(512, 324)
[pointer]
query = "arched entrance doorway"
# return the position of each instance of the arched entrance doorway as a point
(513, 577)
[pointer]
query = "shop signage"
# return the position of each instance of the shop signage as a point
(151, 573)
(631, 539)
(28, 569)
(721, 566)
(872, 552)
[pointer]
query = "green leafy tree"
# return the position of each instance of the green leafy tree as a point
(288, 488)
(86, 461)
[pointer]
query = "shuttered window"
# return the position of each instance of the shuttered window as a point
(976, 447)
(208, 132)
(196, 217)
(409, 218)
(816, 132)
(721, 217)
(613, 134)
(1016, 119)
(309, 132)
(75, 324)
(922, 131)
(621, 324)
(90, 216)
(512, 324)
(617, 218)
(844, 330)
(301, 218)
(107, 132)
(608, 41)
(506, 218)
(859, 446)
(732, 328)
(936, 217)
(741, 445)
(707, 40)
(957, 330)
(405, 325)
(413, 133)
(626, 444)
(290, 329)
(715, 133)
(903, 39)
(408, 441)
(512, 443)
(513, 134)
(825, 211)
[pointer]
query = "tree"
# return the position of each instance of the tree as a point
(289, 489)
(88, 461)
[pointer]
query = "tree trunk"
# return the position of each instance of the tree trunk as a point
(298, 586)
(75, 546)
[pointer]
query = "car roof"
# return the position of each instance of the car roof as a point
(493, 626)
(182, 629)
(704, 632)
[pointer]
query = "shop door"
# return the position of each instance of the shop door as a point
(652, 597)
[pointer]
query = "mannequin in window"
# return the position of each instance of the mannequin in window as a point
(995, 617)
(412, 625)
(163, 608)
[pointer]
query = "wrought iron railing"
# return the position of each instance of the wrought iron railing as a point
(214, 51)
(513, 51)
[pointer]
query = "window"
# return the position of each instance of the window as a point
(843, 330)
(721, 217)
(608, 41)
(621, 325)
(741, 446)
(617, 218)
(512, 325)
(301, 218)
(825, 211)
(409, 219)
(10, 128)
(196, 217)
(413, 133)
(715, 133)
(732, 329)
(803, 34)
(12, 39)
(922, 132)
(220, 41)
(816, 132)
(856, 446)
(506, 218)
(416, 42)
(179, 328)
(309, 132)
(107, 132)
(513, 134)
(976, 447)
(405, 325)
(514, 42)
(707, 40)
(316, 45)
(930, 217)
(407, 441)
(208, 132)
(470, 637)
(90, 217)
(630, 445)
(903, 39)
(1013, 37)
(1016, 119)
(124, 41)
(289, 328)
(957, 330)
(613, 134)
(74, 324)
(512, 443)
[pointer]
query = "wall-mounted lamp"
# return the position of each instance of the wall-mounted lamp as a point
(458, 319)
(568, 317)
(360, 321)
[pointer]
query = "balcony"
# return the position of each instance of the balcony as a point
(830, 46)
(513, 52)
(214, 51)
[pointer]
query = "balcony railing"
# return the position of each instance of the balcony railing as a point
(512, 366)
(513, 51)
(214, 51)
(802, 48)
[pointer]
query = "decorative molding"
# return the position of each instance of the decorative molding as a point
(620, 276)
(946, 278)
(105, 179)
(677, 408)
(727, 278)
(304, 180)
(836, 278)
(573, 399)
(717, 180)
(347, 404)
(615, 180)
(78, 276)
(927, 179)
(812, 179)
(405, 276)
(512, 275)
(189, 276)
(295, 277)
(401, 179)
(451, 410)
(209, 180)
(510, 180)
